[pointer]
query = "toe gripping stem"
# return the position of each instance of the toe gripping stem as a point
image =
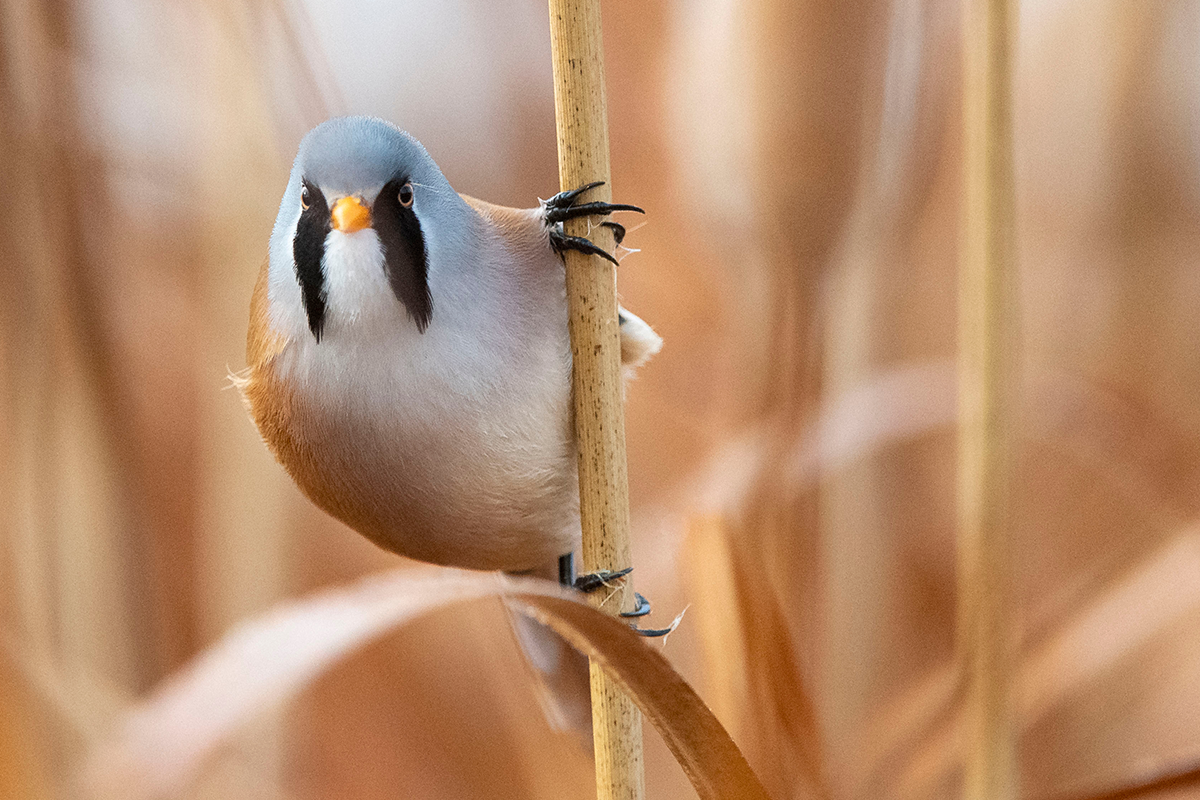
(593, 581)
(562, 207)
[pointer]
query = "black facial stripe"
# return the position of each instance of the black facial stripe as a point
(308, 248)
(404, 258)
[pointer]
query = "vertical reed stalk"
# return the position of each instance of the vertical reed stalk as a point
(581, 113)
(987, 324)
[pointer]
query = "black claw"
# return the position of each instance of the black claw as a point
(593, 581)
(559, 213)
(560, 242)
(640, 609)
(650, 632)
(617, 228)
(564, 199)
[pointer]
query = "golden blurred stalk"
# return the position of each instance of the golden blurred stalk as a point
(987, 324)
(581, 113)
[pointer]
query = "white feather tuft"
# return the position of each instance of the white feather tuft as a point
(638, 342)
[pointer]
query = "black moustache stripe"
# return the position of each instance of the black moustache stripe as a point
(404, 259)
(308, 248)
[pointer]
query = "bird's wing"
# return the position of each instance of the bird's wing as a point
(262, 342)
(524, 232)
(520, 229)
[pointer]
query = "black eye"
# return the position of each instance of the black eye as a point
(305, 200)
(406, 195)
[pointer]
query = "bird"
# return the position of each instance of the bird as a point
(409, 363)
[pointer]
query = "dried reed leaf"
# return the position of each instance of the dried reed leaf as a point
(711, 760)
(166, 740)
(711, 568)
(782, 704)
(1160, 778)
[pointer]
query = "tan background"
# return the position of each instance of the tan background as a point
(791, 449)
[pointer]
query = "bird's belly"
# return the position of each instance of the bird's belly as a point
(482, 479)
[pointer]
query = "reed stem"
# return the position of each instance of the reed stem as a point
(987, 325)
(581, 113)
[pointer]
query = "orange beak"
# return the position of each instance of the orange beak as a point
(350, 215)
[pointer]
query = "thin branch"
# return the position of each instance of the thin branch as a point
(987, 327)
(583, 159)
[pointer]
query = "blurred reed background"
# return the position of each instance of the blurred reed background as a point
(792, 449)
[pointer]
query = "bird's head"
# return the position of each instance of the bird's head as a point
(362, 204)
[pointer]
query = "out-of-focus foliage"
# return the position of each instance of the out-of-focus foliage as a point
(792, 448)
(166, 740)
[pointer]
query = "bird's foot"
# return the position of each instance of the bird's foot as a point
(562, 207)
(593, 581)
(641, 609)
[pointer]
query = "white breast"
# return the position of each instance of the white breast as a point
(453, 446)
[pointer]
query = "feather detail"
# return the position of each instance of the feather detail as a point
(524, 231)
(638, 341)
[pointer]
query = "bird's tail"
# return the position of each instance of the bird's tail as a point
(638, 341)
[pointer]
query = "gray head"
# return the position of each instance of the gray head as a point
(361, 189)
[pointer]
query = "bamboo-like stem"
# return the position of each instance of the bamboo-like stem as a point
(581, 112)
(987, 324)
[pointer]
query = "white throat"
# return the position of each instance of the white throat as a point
(356, 286)
(357, 293)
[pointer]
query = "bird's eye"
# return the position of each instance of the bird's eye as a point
(305, 200)
(406, 194)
